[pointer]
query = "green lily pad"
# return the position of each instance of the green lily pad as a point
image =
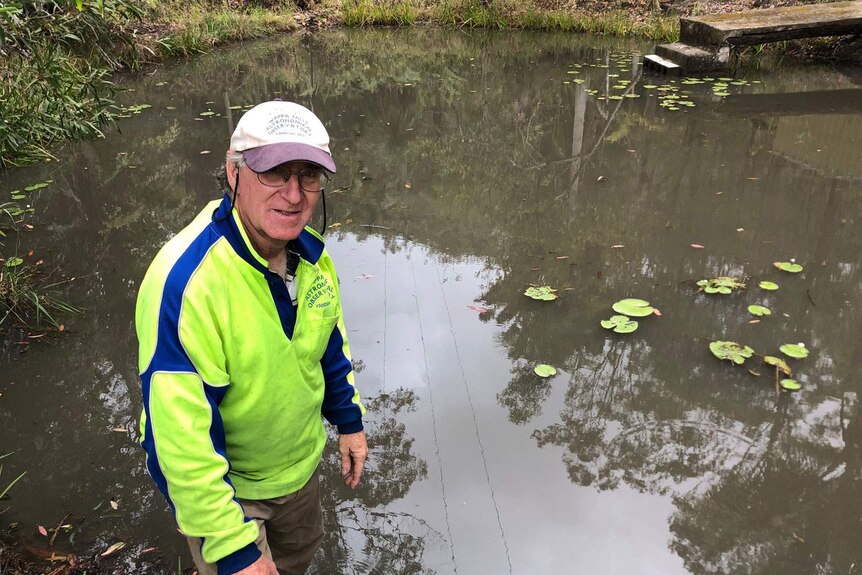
(791, 267)
(543, 293)
(207, 114)
(723, 285)
(768, 285)
(797, 351)
(545, 370)
(731, 351)
(13, 262)
(791, 384)
(620, 324)
(633, 307)
(38, 186)
(779, 363)
(758, 310)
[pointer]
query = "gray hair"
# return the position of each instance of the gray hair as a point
(236, 158)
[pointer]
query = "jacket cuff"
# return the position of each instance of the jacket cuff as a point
(238, 560)
(349, 427)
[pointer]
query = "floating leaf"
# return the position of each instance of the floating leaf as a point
(730, 350)
(754, 373)
(790, 385)
(758, 310)
(543, 293)
(723, 285)
(620, 324)
(768, 285)
(633, 307)
(113, 548)
(207, 114)
(38, 186)
(545, 370)
(788, 267)
(779, 363)
(797, 351)
(477, 308)
(697, 246)
(115, 505)
(42, 530)
(12, 262)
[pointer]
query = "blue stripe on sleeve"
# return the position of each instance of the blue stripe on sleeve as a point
(338, 407)
(170, 356)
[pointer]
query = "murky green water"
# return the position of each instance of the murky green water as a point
(470, 166)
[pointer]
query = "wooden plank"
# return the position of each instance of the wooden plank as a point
(773, 25)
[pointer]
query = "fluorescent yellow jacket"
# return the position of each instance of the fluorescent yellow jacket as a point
(235, 378)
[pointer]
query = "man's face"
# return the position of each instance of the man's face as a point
(276, 211)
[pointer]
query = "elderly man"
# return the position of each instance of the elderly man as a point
(242, 348)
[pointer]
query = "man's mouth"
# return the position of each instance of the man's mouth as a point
(288, 212)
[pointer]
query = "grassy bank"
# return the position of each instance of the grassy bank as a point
(504, 14)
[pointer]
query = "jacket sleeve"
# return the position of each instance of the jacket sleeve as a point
(184, 380)
(342, 405)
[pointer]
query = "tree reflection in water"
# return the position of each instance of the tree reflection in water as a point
(362, 535)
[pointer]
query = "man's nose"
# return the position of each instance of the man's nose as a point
(291, 189)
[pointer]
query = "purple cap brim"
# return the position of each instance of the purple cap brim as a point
(267, 157)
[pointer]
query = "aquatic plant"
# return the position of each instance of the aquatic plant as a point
(620, 324)
(543, 293)
(731, 351)
(544, 370)
(721, 285)
(759, 310)
(790, 266)
(633, 307)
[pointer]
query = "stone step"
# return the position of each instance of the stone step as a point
(694, 58)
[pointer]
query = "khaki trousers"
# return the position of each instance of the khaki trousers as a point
(291, 529)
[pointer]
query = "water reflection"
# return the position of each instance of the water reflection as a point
(468, 169)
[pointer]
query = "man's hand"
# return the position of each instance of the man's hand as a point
(353, 450)
(263, 566)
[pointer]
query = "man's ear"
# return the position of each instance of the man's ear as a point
(230, 169)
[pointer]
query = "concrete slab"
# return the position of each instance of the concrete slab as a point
(656, 62)
(693, 58)
(773, 24)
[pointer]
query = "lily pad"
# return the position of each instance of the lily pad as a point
(633, 307)
(620, 324)
(543, 293)
(545, 370)
(797, 351)
(758, 310)
(723, 285)
(730, 350)
(13, 262)
(791, 267)
(791, 384)
(768, 285)
(779, 363)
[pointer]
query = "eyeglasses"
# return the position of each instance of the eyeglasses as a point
(310, 179)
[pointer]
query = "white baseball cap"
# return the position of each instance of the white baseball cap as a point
(276, 132)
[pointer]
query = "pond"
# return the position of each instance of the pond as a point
(473, 165)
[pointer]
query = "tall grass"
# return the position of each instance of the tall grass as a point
(55, 59)
(195, 27)
(477, 14)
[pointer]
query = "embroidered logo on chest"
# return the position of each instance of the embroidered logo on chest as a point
(320, 293)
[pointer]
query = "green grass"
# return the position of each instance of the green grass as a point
(474, 14)
(195, 27)
(27, 296)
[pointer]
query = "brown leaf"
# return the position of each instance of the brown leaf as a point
(115, 505)
(61, 327)
(43, 531)
(30, 253)
(656, 311)
(148, 550)
(562, 257)
(113, 549)
(697, 246)
(615, 246)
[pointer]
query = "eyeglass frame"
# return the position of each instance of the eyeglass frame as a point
(323, 177)
(239, 161)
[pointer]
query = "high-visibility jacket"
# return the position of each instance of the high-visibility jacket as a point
(235, 378)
